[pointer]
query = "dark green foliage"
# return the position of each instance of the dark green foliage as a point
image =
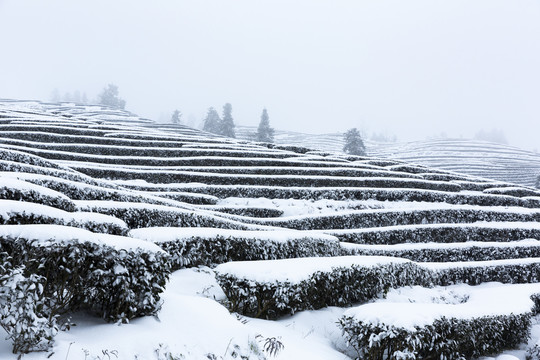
(340, 287)
(210, 251)
(344, 286)
(27, 217)
(172, 176)
(24, 311)
(264, 132)
(473, 253)
(30, 195)
(137, 216)
(354, 144)
(445, 338)
(377, 218)
(512, 191)
(115, 284)
(440, 233)
(515, 273)
(341, 193)
(258, 212)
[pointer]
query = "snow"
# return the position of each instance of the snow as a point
(163, 234)
(296, 207)
(10, 207)
(526, 225)
(299, 269)
(443, 246)
(48, 234)
(407, 310)
(437, 266)
(8, 182)
(187, 324)
(192, 322)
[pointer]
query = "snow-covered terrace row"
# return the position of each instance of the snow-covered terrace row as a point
(333, 193)
(80, 151)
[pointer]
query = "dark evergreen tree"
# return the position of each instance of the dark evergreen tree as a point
(212, 121)
(354, 144)
(109, 97)
(227, 122)
(264, 132)
(176, 115)
(538, 182)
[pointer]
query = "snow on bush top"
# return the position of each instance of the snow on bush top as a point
(45, 235)
(163, 234)
(296, 270)
(481, 301)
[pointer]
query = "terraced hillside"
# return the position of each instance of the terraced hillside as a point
(473, 157)
(107, 214)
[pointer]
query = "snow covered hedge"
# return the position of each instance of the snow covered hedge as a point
(9, 155)
(441, 233)
(14, 167)
(115, 277)
(343, 193)
(204, 246)
(80, 152)
(172, 176)
(249, 211)
(485, 322)
(508, 271)
(22, 213)
(445, 338)
(391, 217)
(24, 312)
(451, 252)
(140, 215)
(513, 191)
(276, 287)
(11, 189)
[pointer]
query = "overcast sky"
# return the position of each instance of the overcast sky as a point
(410, 68)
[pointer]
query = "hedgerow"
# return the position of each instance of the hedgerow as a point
(450, 253)
(116, 284)
(342, 193)
(40, 214)
(137, 215)
(375, 218)
(339, 287)
(445, 338)
(213, 250)
(34, 195)
(439, 233)
(343, 286)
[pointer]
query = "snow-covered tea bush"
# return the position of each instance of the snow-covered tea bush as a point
(334, 285)
(138, 215)
(24, 312)
(201, 246)
(445, 338)
(11, 189)
(450, 252)
(512, 271)
(441, 233)
(21, 213)
(375, 218)
(116, 284)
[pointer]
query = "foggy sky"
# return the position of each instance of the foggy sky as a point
(410, 68)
